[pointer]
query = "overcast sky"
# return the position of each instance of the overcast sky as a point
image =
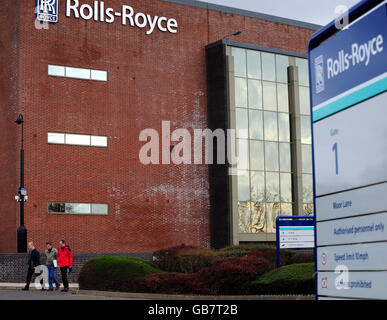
(319, 12)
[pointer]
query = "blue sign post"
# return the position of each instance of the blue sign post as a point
(348, 83)
(294, 232)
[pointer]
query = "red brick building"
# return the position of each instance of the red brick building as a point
(128, 81)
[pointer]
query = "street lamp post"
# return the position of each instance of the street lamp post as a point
(232, 35)
(22, 195)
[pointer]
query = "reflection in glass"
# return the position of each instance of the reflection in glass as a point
(283, 97)
(99, 208)
(243, 154)
(306, 131)
(268, 66)
(286, 187)
(243, 186)
(239, 61)
(258, 217)
(254, 64)
(272, 212)
(58, 71)
(272, 187)
(271, 156)
(244, 217)
(282, 68)
(307, 183)
(306, 158)
(240, 92)
(256, 125)
(271, 126)
(257, 155)
(284, 127)
(255, 94)
(78, 73)
(78, 208)
(308, 209)
(304, 101)
(303, 71)
(285, 158)
(286, 209)
(257, 187)
(269, 96)
(58, 138)
(242, 123)
(78, 139)
(56, 207)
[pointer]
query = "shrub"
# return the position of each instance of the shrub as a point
(240, 251)
(166, 259)
(303, 258)
(191, 261)
(290, 279)
(232, 275)
(115, 274)
(167, 283)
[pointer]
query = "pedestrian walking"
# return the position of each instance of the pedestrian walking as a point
(33, 263)
(51, 264)
(65, 262)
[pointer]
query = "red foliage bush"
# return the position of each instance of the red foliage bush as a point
(232, 276)
(175, 283)
(167, 283)
(270, 255)
(303, 258)
(167, 260)
(191, 261)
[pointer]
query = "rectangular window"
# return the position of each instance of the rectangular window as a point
(268, 66)
(98, 75)
(254, 64)
(78, 208)
(99, 141)
(269, 96)
(77, 73)
(239, 62)
(57, 138)
(240, 93)
(77, 139)
(57, 71)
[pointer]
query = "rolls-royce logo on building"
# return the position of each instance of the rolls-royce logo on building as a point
(47, 10)
(319, 74)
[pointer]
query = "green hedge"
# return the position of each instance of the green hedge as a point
(115, 274)
(290, 279)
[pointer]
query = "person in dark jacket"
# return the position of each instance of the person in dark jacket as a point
(65, 262)
(33, 262)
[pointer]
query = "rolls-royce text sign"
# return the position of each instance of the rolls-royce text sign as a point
(99, 11)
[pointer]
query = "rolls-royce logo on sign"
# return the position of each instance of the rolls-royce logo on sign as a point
(319, 71)
(47, 10)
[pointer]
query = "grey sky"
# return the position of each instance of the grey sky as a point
(313, 11)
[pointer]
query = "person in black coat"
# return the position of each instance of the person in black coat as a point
(33, 262)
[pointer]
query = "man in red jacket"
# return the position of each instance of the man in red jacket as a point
(65, 262)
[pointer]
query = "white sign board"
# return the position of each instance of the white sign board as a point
(348, 71)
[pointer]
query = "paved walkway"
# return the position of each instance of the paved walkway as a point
(55, 295)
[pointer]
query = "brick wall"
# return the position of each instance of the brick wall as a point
(13, 267)
(151, 78)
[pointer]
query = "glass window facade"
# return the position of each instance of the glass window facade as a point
(264, 178)
(306, 136)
